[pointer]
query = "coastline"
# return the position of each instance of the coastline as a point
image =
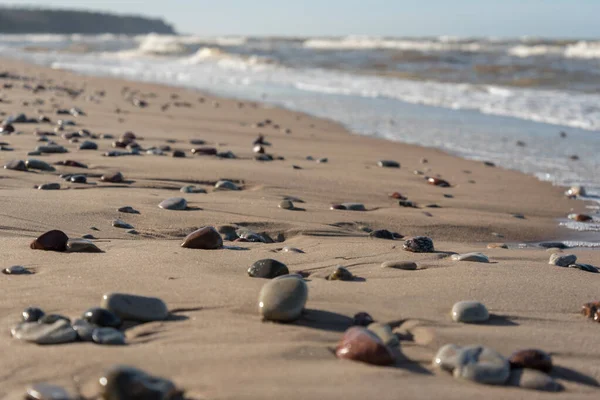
(203, 350)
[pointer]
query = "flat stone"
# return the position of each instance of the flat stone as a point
(128, 210)
(419, 244)
(267, 268)
(132, 232)
(359, 344)
(32, 163)
(108, 336)
(49, 186)
(482, 365)
(385, 234)
(192, 189)
(51, 149)
(286, 205)
(84, 329)
(555, 245)
(562, 260)
(206, 238)
(406, 265)
(117, 223)
(174, 203)
(45, 391)
(584, 267)
(115, 177)
(341, 274)
(354, 206)
(283, 298)
(388, 164)
(88, 145)
(362, 319)
(288, 249)
(32, 314)
(135, 308)
(16, 270)
(472, 257)
(384, 332)
(251, 236)
(533, 380)
(101, 317)
(16, 165)
(531, 358)
(127, 383)
(469, 311)
(497, 246)
(54, 240)
(226, 185)
(82, 246)
(35, 332)
(78, 179)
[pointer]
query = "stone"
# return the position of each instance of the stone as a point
(555, 245)
(205, 151)
(178, 154)
(84, 330)
(398, 195)
(354, 206)
(469, 311)
(589, 309)
(580, 217)
(127, 383)
(322, 160)
(482, 365)
(267, 268)
(192, 189)
(384, 332)
(385, 234)
(108, 336)
(128, 210)
(497, 246)
(117, 223)
(472, 257)
(251, 236)
(447, 357)
(78, 179)
(45, 391)
(101, 317)
(32, 163)
(132, 231)
(115, 177)
(53, 240)
(283, 298)
(226, 185)
(88, 145)
(32, 314)
(388, 164)
(135, 308)
(288, 249)
(584, 267)
(58, 332)
(419, 244)
(407, 204)
(16, 165)
(533, 380)
(359, 344)
(16, 270)
(362, 319)
(575, 191)
(437, 182)
(71, 163)
(82, 246)
(286, 205)
(561, 260)
(206, 238)
(51, 149)
(173, 203)
(52, 318)
(531, 358)
(406, 265)
(49, 186)
(341, 274)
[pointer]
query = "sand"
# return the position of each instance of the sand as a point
(216, 346)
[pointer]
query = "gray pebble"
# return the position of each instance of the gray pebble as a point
(135, 308)
(174, 203)
(283, 298)
(58, 332)
(469, 311)
(561, 260)
(108, 336)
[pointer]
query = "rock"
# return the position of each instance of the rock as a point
(398, 195)
(101, 317)
(108, 336)
(590, 309)
(128, 210)
(322, 160)
(362, 319)
(388, 164)
(71, 163)
(206, 238)
(267, 268)
(52, 318)
(359, 344)
(482, 365)
(555, 245)
(447, 357)
(135, 308)
(534, 380)
(497, 246)
(115, 177)
(49, 186)
(341, 274)
(132, 231)
(51, 149)
(205, 151)
(406, 265)
(531, 358)
(128, 383)
(385, 234)
(384, 332)
(32, 163)
(407, 204)
(84, 330)
(32, 314)
(88, 145)
(288, 249)
(561, 260)
(226, 185)
(54, 240)
(286, 205)
(250, 236)
(58, 332)
(82, 246)
(354, 206)
(117, 223)
(16, 270)
(580, 217)
(16, 165)
(173, 203)
(437, 182)
(419, 244)
(469, 311)
(584, 267)
(575, 191)
(178, 154)
(473, 257)
(45, 391)
(226, 154)
(78, 179)
(192, 189)
(518, 216)
(283, 298)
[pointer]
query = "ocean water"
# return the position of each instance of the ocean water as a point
(472, 97)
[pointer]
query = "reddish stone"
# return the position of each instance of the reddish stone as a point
(337, 207)
(438, 182)
(206, 238)
(531, 358)
(597, 316)
(116, 177)
(398, 196)
(582, 218)
(54, 240)
(358, 344)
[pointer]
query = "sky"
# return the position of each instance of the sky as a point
(498, 18)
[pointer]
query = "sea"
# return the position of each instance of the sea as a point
(529, 104)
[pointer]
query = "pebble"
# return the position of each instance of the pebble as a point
(58, 332)
(226, 185)
(88, 145)
(179, 154)
(117, 223)
(71, 163)
(482, 365)
(341, 274)
(388, 164)
(45, 391)
(589, 309)
(267, 268)
(16, 270)
(283, 298)
(84, 330)
(406, 265)
(398, 195)
(51, 149)
(288, 249)
(115, 177)
(580, 217)
(437, 182)
(192, 189)
(82, 246)
(110, 336)
(135, 308)
(584, 267)
(78, 179)
(561, 260)
(16, 165)
(419, 244)
(205, 151)
(359, 344)
(575, 191)
(497, 246)
(531, 358)
(32, 163)
(362, 319)
(469, 311)
(49, 186)
(384, 332)
(385, 234)
(534, 380)
(555, 245)
(286, 205)
(127, 383)
(32, 314)
(132, 231)
(446, 357)
(128, 210)
(322, 160)
(54, 240)
(473, 257)
(206, 238)
(52, 318)
(101, 317)
(407, 204)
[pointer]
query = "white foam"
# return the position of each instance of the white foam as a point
(369, 42)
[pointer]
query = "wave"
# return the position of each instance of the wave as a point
(368, 42)
(582, 49)
(225, 59)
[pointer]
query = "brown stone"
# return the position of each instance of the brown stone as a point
(358, 344)
(497, 246)
(589, 309)
(54, 240)
(397, 195)
(205, 151)
(206, 238)
(531, 358)
(438, 182)
(116, 177)
(582, 218)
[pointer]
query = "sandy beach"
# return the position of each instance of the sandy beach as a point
(215, 345)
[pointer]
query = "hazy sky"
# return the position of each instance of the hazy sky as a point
(552, 18)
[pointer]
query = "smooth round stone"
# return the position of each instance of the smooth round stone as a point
(135, 308)
(88, 145)
(82, 246)
(206, 238)
(49, 186)
(406, 265)
(288, 249)
(128, 210)
(341, 274)
(447, 357)
(482, 365)
(54, 240)
(178, 154)
(419, 244)
(580, 217)
(174, 203)
(362, 319)
(52, 318)
(51, 149)
(359, 344)
(226, 185)
(192, 189)
(16, 270)
(84, 330)
(584, 267)
(79, 179)
(384, 332)
(575, 191)
(472, 257)
(55, 333)
(322, 160)
(128, 383)
(267, 268)
(116, 177)
(469, 311)
(531, 358)
(385, 234)
(45, 391)
(533, 380)
(32, 314)
(101, 317)
(283, 298)
(286, 205)
(16, 165)
(108, 336)
(117, 223)
(562, 260)
(388, 164)
(354, 206)
(497, 246)
(32, 163)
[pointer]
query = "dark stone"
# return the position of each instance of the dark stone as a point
(128, 383)
(341, 274)
(110, 336)
(406, 203)
(71, 163)
(52, 318)
(79, 179)
(385, 234)
(32, 314)
(206, 238)
(178, 154)
(419, 244)
(16, 270)
(267, 268)
(16, 165)
(54, 240)
(205, 151)
(437, 182)
(88, 145)
(101, 317)
(362, 319)
(531, 358)
(116, 177)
